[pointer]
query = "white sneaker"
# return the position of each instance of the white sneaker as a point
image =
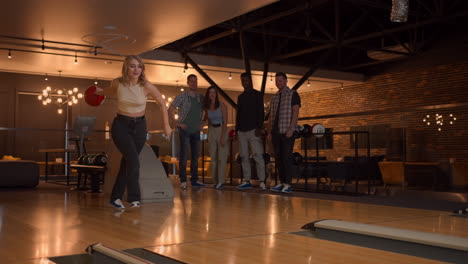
(286, 189)
(277, 188)
(183, 185)
(135, 204)
(262, 186)
(117, 203)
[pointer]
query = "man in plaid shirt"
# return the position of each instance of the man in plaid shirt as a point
(284, 111)
(189, 105)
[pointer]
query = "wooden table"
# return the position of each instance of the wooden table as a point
(341, 170)
(433, 166)
(66, 163)
(398, 171)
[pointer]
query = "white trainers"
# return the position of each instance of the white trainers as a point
(117, 203)
(135, 204)
(183, 185)
(286, 189)
(277, 188)
(244, 186)
(262, 186)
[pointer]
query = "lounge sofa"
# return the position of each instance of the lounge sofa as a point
(19, 173)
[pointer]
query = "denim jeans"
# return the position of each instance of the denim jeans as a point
(193, 140)
(283, 147)
(129, 136)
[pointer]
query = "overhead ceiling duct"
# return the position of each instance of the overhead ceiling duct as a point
(399, 11)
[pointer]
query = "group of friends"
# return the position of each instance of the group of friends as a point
(194, 112)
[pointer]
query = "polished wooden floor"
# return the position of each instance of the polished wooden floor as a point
(199, 226)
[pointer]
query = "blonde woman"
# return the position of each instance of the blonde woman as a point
(129, 126)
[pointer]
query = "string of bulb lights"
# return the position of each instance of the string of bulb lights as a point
(185, 68)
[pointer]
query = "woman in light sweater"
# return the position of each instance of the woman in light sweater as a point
(129, 126)
(216, 114)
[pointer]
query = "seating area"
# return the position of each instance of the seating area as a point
(19, 173)
(419, 174)
(336, 174)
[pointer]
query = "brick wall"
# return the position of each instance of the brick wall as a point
(401, 99)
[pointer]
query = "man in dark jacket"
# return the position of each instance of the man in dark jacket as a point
(249, 118)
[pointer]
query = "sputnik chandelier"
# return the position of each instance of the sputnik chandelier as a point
(168, 101)
(438, 120)
(60, 97)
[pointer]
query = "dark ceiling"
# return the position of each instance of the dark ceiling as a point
(334, 34)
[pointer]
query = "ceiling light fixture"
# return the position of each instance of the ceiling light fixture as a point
(96, 81)
(439, 120)
(46, 79)
(308, 83)
(76, 58)
(168, 100)
(399, 11)
(110, 27)
(9, 53)
(230, 76)
(108, 41)
(177, 85)
(59, 96)
(185, 68)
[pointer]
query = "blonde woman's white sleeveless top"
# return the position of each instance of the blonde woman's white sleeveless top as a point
(131, 98)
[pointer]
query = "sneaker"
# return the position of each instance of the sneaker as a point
(198, 184)
(117, 203)
(183, 185)
(262, 186)
(245, 186)
(135, 204)
(286, 189)
(277, 188)
(220, 186)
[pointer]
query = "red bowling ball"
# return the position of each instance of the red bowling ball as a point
(91, 98)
